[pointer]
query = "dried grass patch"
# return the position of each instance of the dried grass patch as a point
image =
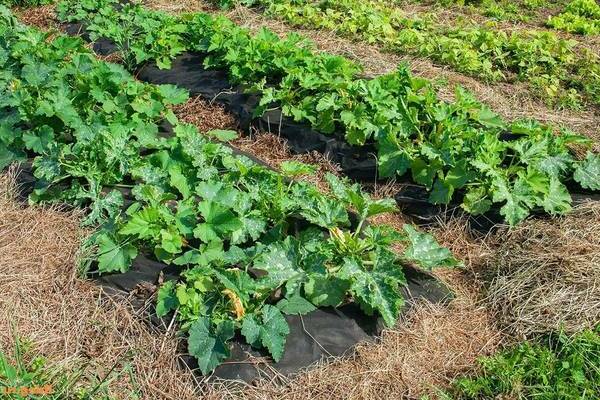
(180, 6)
(471, 247)
(545, 274)
(70, 321)
(274, 150)
(205, 116)
(42, 17)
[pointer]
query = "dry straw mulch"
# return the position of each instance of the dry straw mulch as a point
(70, 321)
(545, 274)
(204, 115)
(42, 17)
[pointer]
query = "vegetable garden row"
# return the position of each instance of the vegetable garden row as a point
(502, 10)
(558, 70)
(579, 16)
(575, 16)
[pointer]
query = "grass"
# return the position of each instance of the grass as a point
(558, 367)
(24, 374)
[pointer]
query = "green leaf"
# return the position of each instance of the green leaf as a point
(426, 251)
(143, 224)
(458, 176)
(191, 257)
(103, 207)
(6, 157)
(557, 200)
(209, 343)
(279, 264)
(39, 141)
(376, 291)
(179, 181)
(270, 330)
(171, 241)
(114, 256)
(531, 152)
(392, 163)
(442, 192)
(422, 172)
(488, 118)
(381, 206)
(35, 75)
(295, 168)
(223, 135)
(326, 291)
(354, 197)
(476, 201)
(252, 227)
(376, 287)
(173, 94)
(295, 304)
(555, 165)
(185, 218)
(211, 252)
(325, 212)
(587, 173)
(219, 221)
(171, 117)
(519, 199)
(251, 330)
(337, 186)
(209, 190)
(166, 299)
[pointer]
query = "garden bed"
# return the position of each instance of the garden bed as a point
(508, 284)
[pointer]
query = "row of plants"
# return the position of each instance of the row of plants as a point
(579, 16)
(252, 244)
(557, 72)
(559, 366)
(501, 10)
(25, 3)
(460, 151)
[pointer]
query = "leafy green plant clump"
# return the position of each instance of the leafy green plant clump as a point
(580, 16)
(561, 367)
(253, 244)
(25, 3)
(503, 10)
(460, 151)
